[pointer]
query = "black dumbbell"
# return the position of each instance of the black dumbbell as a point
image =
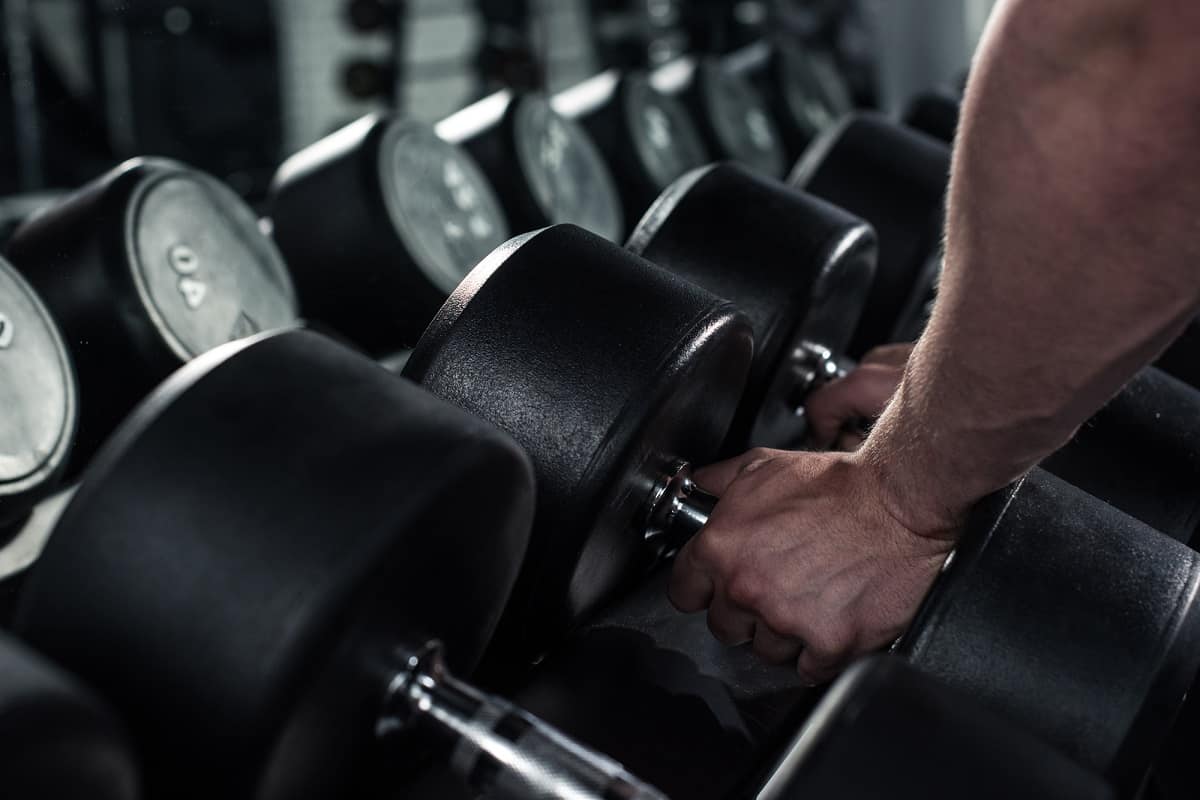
(799, 268)
(378, 223)
(732, 117)
(256, 566)
(607, 370)
(647, 137)
(614, 376)
(38, 398)
(886, 730)
(144, 268)
(1141, 453)
(936, 113)
(894, 178)
(801, 86)
(1182, 358)
(1070, 618)
(57, 740)
(1029, 639)
(545, 167)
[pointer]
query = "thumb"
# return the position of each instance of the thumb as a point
(889, 355)
(716, 478)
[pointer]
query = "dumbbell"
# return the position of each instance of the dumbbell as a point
(886, 730)
(1182, 358)
(1054, 674)
(733, 119)
(801, 86)
(144, 268)
(615, 376)
(799, 268)
(15, 209)
(545, 167)
(894, 178)
(647, 137)
(57, 740)
(378, 223)
(263, 568)
(642, 368)
(39, 400)
(1070, 618)
(1141, 453)
(935, 113)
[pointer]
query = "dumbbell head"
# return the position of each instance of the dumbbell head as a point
(38, 395)
(544, 166)
(379, 222)
(801, 87)
(607, 370)
(895, 178)
(1063, 614)
(935, 113)
(799, 268)
(57, 740)
(248, 551)
(647, 137)
(886, 730)
(144, 268)
(1141, 453)
(732, 117)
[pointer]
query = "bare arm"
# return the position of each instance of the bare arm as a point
(1072, 259)
(1073, 242)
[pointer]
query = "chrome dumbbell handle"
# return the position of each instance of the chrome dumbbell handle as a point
(678, 509)
(503, 752)
(813, 365)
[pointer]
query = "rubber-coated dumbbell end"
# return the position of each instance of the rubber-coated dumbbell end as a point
(500, 750)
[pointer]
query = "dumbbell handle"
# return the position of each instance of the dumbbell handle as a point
(678, 510)
(813, 365)
(503, 752)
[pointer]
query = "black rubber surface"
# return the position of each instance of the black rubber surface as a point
(799, 268)
(379, 222)
(895, 178)
(57, 739)
(545, 167)
(886, 730)
(647, 137)
(733, 118)
(605, 369)
(248, 550)
(144, 268)
(1069, 618)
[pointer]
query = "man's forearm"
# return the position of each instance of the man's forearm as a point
(1073, 249)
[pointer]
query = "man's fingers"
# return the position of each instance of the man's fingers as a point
(817, 666)
(715, 478)
(889, 355)
(773, 648)
(729, 624)
(691, 588)
(848, 442)
(864, 393)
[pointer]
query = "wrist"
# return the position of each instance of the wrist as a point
(916, 502)
(919, 486)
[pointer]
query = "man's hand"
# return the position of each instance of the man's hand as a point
(861, 395)
(807, 557)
